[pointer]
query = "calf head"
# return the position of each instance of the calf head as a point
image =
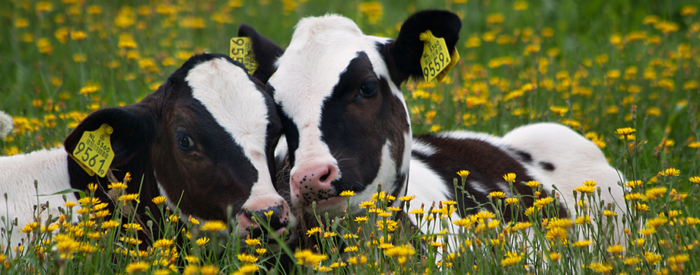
(345, 120)
(204, 140)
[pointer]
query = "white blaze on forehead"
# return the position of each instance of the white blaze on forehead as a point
(319, 52)
(238, 106)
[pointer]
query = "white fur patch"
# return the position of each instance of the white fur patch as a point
(6, 124)
(575, 160)
(429, 189)
(426, 185)
(49, 167)
(238, 106)
(423, 148)
(479, 187)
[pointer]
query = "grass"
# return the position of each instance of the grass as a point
(596, 66)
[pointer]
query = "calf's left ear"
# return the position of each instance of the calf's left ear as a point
(132, 127)
(266, 52)
(405, 52)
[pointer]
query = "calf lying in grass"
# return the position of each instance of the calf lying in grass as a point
(347, 129)
(203, 140)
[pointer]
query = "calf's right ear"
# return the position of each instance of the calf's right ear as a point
(405, 52)
(132, 131)
(266, 52)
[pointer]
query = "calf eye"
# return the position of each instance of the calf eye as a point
(369, 89)
(185, 142)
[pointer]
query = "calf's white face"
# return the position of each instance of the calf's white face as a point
(345, 120)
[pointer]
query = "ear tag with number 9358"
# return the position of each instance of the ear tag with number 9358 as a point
(94, 151)
(436, 60)
(242, 51)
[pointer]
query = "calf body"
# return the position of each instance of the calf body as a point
(204, 140)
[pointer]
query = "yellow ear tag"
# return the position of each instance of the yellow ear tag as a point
(94, 151)
(436, 60)
(242, 51)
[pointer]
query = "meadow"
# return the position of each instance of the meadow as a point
(625, 74)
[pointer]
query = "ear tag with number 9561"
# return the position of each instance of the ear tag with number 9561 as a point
(94, 151)
(436, 60)
(242, 51)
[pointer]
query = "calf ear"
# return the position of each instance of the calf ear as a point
(266, 52)
(132, 131)
(407, 49)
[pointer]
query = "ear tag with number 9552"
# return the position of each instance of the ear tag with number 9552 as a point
(94, 151)
(242, 51)
(436, 60)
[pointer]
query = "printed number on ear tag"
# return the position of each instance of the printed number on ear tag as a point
(94, 151)
(242, 51)
(436, 60)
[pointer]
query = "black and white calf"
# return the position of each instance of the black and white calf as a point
(347, 127)
(204, 140)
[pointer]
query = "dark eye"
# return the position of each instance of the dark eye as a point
(185, 142)
(369, 89)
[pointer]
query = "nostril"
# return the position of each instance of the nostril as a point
(325, 177)
(328, 174)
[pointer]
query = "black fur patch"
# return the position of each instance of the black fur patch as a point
(547, 166)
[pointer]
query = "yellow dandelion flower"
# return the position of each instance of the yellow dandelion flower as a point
(463, 173)
(252, 242)
(209, 270)
(367, 204)
(313, 231)
(533, 184)
(512, 201)
(410, 198)
(347, 193)
(128, 197)
(625, 131)
(117, 186)
(554, 256)
(670, 172)
(247, 258)
(213, 226)
(642, 207)
(647, 231)
(609, 213)
(137, 267)
(132, 226)
(202, 241)
(652, 258)
(582, 243)
(694, 145)
(158, 200)
(110, 224)
(615, 249)
(559, 110)
(28, 228)
(510, 177)
(600, 267)
(653, 193)
(497, 194)
(511, 258)
(192, 220)
(162, 243)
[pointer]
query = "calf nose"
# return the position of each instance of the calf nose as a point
(276, 217)
(313, 184)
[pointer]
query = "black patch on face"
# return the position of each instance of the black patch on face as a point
(547, 166)
(355, 127)
(524, 156)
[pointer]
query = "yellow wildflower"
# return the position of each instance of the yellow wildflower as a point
(214, 226)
